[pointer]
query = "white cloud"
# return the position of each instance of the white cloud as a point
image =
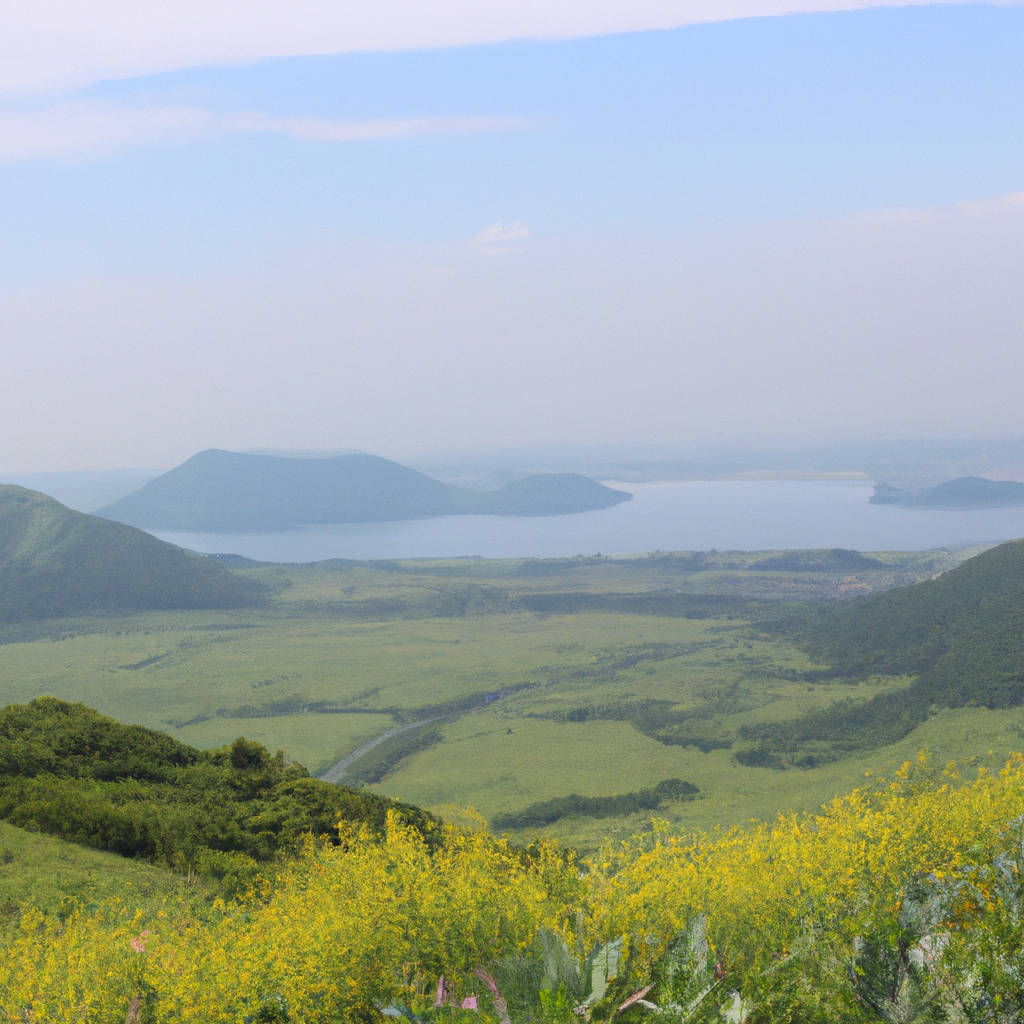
(499, 238)
(54, 45)
(504, 232)
(86, 128)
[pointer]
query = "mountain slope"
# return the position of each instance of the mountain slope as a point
(55, 562)
(960, 635)
(227, 492)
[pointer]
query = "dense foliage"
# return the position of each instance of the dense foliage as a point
(960, 635)
(55, 562)
(546, 812)
(69, 771)
(899, 904)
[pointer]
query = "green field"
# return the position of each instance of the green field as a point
(605, 676)
(45, 872)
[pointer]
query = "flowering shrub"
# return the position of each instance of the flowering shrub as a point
(906, 903)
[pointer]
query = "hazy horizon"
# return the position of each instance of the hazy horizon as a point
(614, 225)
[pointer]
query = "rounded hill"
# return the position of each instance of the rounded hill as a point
(233, 492)
(55, 563)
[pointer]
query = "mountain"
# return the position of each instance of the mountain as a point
(966, 492)
(55, 562)
(231, 492)
(960, 635)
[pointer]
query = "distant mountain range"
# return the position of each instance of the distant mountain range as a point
(56, 563)
(966, 492)
(231, 492)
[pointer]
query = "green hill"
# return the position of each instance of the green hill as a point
(55, 562)
(68, 771)
(230, 492)
(960, 636)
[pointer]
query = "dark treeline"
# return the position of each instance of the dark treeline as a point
(547, 812)
(458, 601)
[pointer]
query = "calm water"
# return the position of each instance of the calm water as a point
(693, 515)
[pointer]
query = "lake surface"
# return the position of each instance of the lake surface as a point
(682, 516)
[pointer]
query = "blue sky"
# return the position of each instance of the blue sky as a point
(814, 115)
(683, 139)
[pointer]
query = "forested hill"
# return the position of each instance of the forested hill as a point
(71, 772)
(231, 492)
(56, 563)
(963, 624)
(960, 635)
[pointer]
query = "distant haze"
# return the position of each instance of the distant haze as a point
(898, 325)
(767, 232)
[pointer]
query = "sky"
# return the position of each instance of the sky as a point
(409, 227)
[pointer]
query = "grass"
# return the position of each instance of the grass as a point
(44, 872)
(391, 644)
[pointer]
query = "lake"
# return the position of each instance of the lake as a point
(679, 516)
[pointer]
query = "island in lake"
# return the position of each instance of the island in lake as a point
(232, 492)
(966, 492)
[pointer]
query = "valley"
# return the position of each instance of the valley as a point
(534, 680)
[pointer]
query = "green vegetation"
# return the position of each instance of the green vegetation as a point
(547, 812)
(70, 772)
(521, 680)
(829, 560)
(56, 563)
(42, 871)
(504, 685)
(389, 756)
(230, 492)
(960, 636)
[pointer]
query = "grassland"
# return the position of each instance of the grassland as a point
(627, 675)
(45, 872)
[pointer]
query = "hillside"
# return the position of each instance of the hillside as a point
(55, 562)
(53, 875)
(68, 771)
(961, 636)
(230, 492)
(966, 492)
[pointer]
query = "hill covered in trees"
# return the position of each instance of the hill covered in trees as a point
(73, 773)
(231, 492)
(55, 562)
(961, 636)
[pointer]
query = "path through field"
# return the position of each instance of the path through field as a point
(335, 772)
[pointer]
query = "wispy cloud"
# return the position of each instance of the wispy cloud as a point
(85, 129)
(500, 238)
(67, 44)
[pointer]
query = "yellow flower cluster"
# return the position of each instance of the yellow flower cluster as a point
(344, 930)
(341, 931)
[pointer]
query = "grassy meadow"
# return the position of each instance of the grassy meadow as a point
(47, 873)
(535, 679)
